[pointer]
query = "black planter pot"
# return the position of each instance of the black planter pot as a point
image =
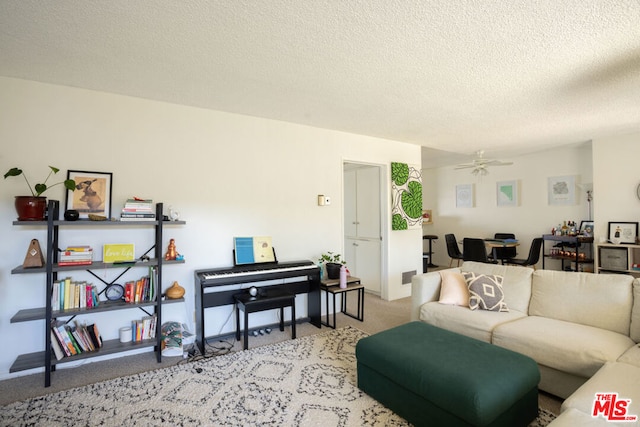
(333, 270)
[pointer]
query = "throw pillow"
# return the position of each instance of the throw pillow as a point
(453, 289)
(485, 292)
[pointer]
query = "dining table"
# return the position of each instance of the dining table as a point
(493, 244)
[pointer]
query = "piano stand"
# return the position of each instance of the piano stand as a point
(272, 299)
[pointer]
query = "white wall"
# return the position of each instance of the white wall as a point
(616, 177)
(228, 175)
(531, 218)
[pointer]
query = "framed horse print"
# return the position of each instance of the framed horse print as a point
(92, 194)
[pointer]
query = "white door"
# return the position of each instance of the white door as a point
(362, 228)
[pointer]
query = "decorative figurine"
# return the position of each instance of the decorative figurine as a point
(171, 251)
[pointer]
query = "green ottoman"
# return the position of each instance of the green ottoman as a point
(430, 376)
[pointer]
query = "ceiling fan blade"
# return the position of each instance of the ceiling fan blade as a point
(465, 166)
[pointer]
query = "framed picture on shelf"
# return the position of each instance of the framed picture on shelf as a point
(623, 232)
(586, 228)
(92, 194)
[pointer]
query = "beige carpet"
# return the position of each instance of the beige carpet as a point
(379, 315)
(310, 381)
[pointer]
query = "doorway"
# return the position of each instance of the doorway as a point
(363, 223)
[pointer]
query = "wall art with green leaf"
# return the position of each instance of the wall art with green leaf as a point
(406, 189)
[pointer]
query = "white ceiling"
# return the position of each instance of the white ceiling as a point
(459, 76)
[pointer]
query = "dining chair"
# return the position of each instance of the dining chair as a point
(453, 249)
(504, 254)
(534, 255)
(475, 250)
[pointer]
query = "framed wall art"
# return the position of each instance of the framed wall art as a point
(623, 232)
(464, 196)
(562, 190)
(92, 194)
(507, 193)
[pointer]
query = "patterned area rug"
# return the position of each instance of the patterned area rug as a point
(310, 381)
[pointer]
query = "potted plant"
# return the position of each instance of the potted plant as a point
(333, 262)
(33, 207)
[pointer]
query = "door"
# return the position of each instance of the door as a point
(362, 224)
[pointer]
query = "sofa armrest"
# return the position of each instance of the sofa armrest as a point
(425, 288)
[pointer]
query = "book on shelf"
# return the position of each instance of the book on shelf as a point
(68, 263)
(146, 218)
(70, 340)
(56, 347)
(67, 294)
(95, 335)
(144, 329)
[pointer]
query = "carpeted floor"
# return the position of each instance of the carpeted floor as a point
(379, 315)
(303, 382)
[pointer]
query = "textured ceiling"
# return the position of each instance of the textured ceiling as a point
(452, 75)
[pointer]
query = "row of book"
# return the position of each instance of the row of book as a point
(76, 255)
(70, 340)
(143, 289)
(67, 294)
(138, 210)
(144, 329)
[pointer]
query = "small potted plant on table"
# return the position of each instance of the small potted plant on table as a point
(333, 262)
(33, 207)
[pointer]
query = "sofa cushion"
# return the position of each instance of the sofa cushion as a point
(485, 292)
(634, 332)
(453, 289)
(516, 282)
(578, 298)
(614, 377)
(573, 418)
(477, 324)
(631, 356)
(570, 347)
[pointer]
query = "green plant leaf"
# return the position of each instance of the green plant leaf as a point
(13, 172)
(412, 200)
(398, 223)
(399, 173)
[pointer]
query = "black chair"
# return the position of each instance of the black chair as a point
(452, 248)
(534, 255)
(504, 254)
(475, 250)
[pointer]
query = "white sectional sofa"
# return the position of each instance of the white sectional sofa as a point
(582, 329)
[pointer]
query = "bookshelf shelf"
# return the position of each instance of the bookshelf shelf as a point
(39, 313)
(37, 359)
(52, 268)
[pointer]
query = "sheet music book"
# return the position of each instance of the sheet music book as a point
(252, 250)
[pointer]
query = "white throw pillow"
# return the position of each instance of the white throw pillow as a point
(453, 289)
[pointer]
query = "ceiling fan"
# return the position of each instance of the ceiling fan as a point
(480, 165)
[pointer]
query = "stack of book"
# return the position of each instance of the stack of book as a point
(144, 328)
(67, 294)
(138, 210)
(141, 290)
(70, 340)
(76, 255)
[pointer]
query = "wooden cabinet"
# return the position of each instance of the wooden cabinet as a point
(570, 253)
(622, 258)
(51, 271)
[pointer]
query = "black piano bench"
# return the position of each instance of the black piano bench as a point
(269, 300)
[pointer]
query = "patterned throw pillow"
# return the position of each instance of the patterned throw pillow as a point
(485, 292)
